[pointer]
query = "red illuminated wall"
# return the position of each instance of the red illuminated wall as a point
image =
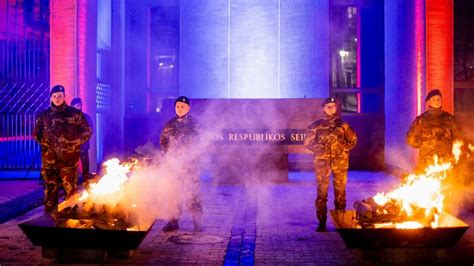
(3, 10)
(74, 53)
(439, 49)
(419, 53)
(86, 54)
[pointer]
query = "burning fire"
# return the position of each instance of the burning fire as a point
(409, 225)
(103, 204)
(108, 188)
(419, 199)
(457, 145)
(418, 194)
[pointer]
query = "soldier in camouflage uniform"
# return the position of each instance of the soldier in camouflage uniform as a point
(60, 130)
(77, 103)
(330, 139)
(433, 133)
(176, 139)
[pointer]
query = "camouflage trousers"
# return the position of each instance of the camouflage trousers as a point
(59, 170)
(323, 170)
(85, 165)
(190, 186)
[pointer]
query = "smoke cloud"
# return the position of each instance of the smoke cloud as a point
(155, 189)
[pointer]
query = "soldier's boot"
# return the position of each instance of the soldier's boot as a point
(197, 218)
(172, 225)
(321, 227)
(51, 198)
(322, 217)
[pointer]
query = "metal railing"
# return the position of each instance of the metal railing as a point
(19, 104)
(24, 79)
(17, 146)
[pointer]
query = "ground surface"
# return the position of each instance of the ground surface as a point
(271, 224)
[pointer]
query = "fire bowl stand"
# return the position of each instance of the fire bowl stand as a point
(391, 245)
(81, 245)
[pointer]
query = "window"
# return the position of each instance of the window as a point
(356, 43)
(343, 49)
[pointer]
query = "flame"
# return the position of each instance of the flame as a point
(84, 196)
(381, 199)
(409, 225)
(111, 183)
(419, 192)
(419, 199)
(457, 145)
(113, 180)
(109, 195)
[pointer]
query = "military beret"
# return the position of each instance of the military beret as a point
(76, 101)
(432, 93)
(183, 99)
(57, 88)
(328, 100)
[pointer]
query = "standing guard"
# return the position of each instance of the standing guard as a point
(177, 140)
(330, 139)
(77, 103)
(433, 133)
(60, 130)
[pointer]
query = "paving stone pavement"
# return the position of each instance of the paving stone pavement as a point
(21, 204)
(18, 197)
(265, 224)
(11, 189)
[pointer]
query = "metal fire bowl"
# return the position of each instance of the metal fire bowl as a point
(42, 231)
(446, 235)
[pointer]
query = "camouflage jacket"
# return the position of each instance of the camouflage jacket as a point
(86, 145)
(433, 132)
(61, 129)
(330, 138)
(179, 132)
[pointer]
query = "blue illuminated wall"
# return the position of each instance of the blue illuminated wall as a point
(204, 49)
(254, 49)
(371, 57)
(304, 49)
(401, 73)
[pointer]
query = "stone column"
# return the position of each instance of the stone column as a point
(73, 54)
(63, 43)
(440, 49)
(404, 76)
